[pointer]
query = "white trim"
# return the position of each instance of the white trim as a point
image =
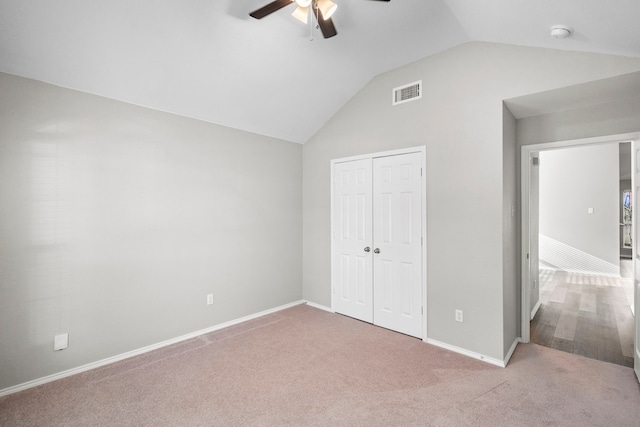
(525, 152)
(570, 259)
(425, 240)
(535, 310)
(511, 350)
(525, 175)
(143, 350)
(590, 273)
(636, 368)
(472, 354)
(319, 306)
(635, 168)
(419, 149)
(332, 268)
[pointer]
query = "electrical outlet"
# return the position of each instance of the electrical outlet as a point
(210, 299)
(459, 316)
(60, 342)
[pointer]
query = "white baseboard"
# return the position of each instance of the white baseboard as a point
(137, 352)
(535, 310)
(511, 350)
(567, 258)
(318, 306)
(482, 357)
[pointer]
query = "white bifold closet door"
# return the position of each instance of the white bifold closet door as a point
(353, 263)
(377, 223)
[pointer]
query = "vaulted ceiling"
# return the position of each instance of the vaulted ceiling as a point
(209, 60)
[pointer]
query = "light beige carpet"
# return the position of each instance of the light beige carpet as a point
(304, 366)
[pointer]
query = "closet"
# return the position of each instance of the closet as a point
(378, 241)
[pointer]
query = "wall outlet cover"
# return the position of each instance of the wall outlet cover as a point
(60, 342)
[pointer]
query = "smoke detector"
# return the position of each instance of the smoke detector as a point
(561, 31)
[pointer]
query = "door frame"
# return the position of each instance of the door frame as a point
(635, 227)
(525, 165)
(419, 149)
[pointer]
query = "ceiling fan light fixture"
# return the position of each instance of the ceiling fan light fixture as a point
(301, 14)
(303, 3)
(327, 7)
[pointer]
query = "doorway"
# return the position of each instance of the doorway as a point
(585, 314)
(581, 309)
(378, 226)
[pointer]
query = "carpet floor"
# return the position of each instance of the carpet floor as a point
(306, 367)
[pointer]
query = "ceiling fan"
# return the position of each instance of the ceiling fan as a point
(320, 9)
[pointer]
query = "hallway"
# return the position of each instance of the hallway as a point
(585, 314)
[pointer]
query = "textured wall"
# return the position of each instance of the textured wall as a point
(116, 222)
(573, 180)
(460, 120)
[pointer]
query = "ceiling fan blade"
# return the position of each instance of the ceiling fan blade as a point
(270, 8)
(326, 26)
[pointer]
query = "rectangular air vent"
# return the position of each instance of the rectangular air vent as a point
(407, 93)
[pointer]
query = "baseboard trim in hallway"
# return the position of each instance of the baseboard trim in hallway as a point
(535, 310)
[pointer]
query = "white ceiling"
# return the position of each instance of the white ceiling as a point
(209, 60)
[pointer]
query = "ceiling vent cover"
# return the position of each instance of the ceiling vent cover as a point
(406, 93)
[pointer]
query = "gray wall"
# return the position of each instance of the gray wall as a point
(534, 227)
(510, 220)
(595, 120)
(571, 181)
(116, 221)
(460, 120)
(619, 116)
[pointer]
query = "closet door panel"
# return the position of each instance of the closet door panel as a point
(352, 211)
(397, 258)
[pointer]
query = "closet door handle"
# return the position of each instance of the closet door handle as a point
(376, 251)
(367, 249)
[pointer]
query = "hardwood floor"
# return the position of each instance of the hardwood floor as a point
(587, 315)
